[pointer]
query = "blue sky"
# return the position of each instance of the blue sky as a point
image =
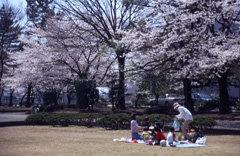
(21, 3)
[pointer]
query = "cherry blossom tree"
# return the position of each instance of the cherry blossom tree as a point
(226, 30)
(105, 18)
(55, 57)
(189, 39)
(29, 71)
(76, 51)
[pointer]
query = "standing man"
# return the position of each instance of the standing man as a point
(184, 114)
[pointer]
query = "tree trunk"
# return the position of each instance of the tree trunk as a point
(57, 97)
(32, 95)
(92, 106)
(157, 98)
(112, 96)
(121, 87)
(187, 94)
(1, 94)
(21, 101)
(112, 101)
(136, 102)
(69, 98)
(28, 102)
(11, 98)
(1, 74)
(223, 94)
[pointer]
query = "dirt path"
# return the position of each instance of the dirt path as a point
(8, 117)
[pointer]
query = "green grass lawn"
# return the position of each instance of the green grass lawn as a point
(81, 141)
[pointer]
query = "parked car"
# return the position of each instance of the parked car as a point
(203, 97)
(169, 100)
(204, 102)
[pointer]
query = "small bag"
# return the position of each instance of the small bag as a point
(201, 140)
(176, 125)
(196, 136)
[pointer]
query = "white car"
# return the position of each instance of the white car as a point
(169, 100)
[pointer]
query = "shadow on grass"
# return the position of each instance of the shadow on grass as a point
(222, 132)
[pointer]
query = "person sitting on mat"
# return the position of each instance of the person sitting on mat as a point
(135, 127)
(158, 136)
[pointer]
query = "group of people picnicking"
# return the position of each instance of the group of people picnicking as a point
(156, 132)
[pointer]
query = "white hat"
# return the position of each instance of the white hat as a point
(175, 105)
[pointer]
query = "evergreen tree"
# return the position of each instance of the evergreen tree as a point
(87, 94)
(10, 30)
(38, 11)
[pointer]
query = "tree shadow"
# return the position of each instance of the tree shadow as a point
(222, 132)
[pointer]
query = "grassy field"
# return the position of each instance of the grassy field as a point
(81, 141)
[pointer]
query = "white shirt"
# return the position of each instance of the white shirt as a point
(170, 137)
(184, 114)
(134, 126)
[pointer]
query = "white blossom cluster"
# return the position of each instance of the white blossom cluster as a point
(60, 53)
(185, 38)
(193, 37)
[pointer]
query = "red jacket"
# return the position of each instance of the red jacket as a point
(159, 136)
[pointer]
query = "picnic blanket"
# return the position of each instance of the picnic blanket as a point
(129, 140)
(186, 144)
(190, 145)
(182, 144)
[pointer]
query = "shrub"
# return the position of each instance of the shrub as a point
(86, 92)
(72, 106)
(63, 119)
(207, 105)
(202, 123)
(89, 119)
(38, 119)
(237, 105)
(115, 121)
(156, 109)
(162, 119)
(112, 121)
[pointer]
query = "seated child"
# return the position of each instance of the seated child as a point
(171, 136)
(157, 124)
(158, 136)
(146, 132)
(153, 130)
(146, 124)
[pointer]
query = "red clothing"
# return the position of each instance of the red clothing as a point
(159, 136)
(173, 136)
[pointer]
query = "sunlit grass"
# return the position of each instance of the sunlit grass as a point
(81, 141)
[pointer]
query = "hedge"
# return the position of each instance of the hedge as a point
(38, 119)
(63, 119)
(202, 123)
(115, 121)
(157, 110)
(112, 121)
(162, 119)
